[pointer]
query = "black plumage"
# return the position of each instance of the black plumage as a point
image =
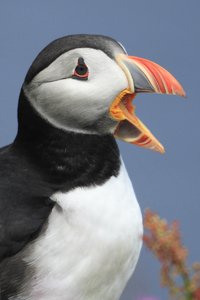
(41, 161)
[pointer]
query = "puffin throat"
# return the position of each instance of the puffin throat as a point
(66, 159)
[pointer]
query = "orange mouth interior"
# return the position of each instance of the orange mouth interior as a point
(130, 127)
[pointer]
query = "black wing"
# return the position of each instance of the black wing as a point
(24, 202)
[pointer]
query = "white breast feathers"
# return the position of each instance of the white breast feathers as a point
(91, 245)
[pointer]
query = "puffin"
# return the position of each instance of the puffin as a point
(70, 224)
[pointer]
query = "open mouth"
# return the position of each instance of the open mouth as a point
(130, 127)
(143, 76)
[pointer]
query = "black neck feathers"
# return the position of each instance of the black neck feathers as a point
(65, 159)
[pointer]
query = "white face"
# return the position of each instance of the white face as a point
(73, 104)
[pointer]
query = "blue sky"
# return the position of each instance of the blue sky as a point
(166, 32)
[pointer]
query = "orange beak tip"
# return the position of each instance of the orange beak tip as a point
(183, 94)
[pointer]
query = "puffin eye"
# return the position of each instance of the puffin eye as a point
(81, 71)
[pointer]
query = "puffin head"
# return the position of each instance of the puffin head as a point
(87, 83)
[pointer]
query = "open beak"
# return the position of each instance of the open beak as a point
(144, 76)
